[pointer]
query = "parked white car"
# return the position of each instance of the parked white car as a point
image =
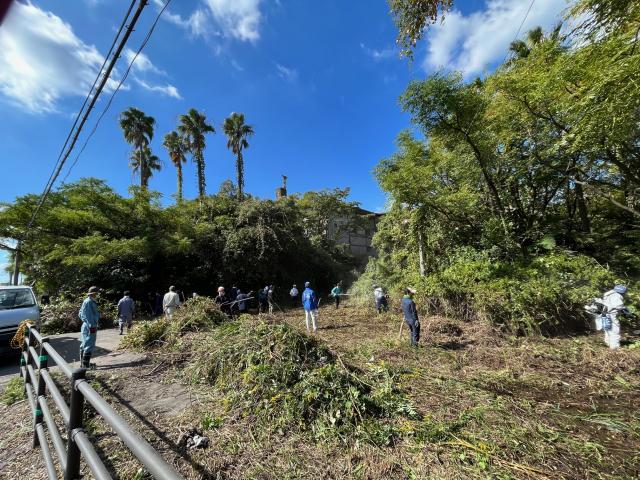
(17, 304)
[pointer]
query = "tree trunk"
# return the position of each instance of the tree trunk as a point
(179, 168)
(585, 223)
(421, 253)
(240, 174)
(201, 180)
(16, 264)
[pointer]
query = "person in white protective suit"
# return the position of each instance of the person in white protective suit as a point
(613, 300)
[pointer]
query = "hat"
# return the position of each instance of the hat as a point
(172, 288)
(621, 289)
(307, 284)
(220, 289)
(375, 286)
(294, 285)
(409, 291)
(94, 290)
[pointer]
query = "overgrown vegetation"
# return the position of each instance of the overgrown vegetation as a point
(91, 235)
(283, 379)
(521, 200)
(13, 391)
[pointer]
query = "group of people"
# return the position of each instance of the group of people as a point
(606, 310)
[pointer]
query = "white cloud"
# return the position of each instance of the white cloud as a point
(473, 43)
(168, 89)
(378, 54)
(236, 65)
(239, 19)
(288, 74)
(142, 63)
(42, 60)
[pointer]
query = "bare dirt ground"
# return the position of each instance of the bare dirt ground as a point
(495, 407)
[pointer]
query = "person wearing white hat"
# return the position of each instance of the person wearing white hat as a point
(170, 302)
(613, 301)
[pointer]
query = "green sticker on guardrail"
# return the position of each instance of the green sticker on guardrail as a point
(43, 358)
(38, 412)
(22, 362)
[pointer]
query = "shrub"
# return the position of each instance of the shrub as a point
(61, 316)
(197, 314)
(13, 391)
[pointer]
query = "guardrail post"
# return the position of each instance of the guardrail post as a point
(42, 363)
(76, 409)
(24, 360)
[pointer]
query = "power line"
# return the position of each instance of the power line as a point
(526, 15)
(86, 99)
(124, 77)
(99, 89)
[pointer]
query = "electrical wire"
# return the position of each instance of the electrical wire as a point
(124, 77)
(94, 99)
(86, 99)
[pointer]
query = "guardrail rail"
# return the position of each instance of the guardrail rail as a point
(34, 369)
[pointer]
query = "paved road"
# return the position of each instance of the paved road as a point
(105, 355)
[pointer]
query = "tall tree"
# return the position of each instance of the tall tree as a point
(237, 133)
(138, 131)
(177, 150)
(144, 162)
(412, 17)
(193, 127)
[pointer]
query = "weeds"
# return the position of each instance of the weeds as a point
(13, 391)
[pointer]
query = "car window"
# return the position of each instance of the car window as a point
(16, 298)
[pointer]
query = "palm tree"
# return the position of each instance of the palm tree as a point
(193, 126)
(177, 150)
(522, 48)
(237, 132)
(144, 162)
(138, 131)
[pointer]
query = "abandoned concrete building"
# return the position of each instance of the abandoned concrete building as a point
(342, 230)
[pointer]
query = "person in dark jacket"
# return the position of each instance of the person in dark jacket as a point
(223, 301)
(126, 309)
(411, 315)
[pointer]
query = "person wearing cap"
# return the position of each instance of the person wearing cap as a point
(613, 301)
(411, 315)
(222, 300)
(126, 309)
(381, 299)
(335, 293)
(293, 293)
(310, 304)
(170, 302)
(90, 316)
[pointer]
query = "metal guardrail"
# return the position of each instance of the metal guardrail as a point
(78, 445)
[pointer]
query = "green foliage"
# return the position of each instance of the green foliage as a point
(61, 316)
(199, 314)
(13, 391)
(526, 181)
(287, 380)
(90, 235)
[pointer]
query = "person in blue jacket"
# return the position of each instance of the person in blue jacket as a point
(89, 315)
(411, 315)
(310, 304)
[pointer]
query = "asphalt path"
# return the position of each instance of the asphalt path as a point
(106, 354)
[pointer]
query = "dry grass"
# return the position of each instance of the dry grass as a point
(491, 406)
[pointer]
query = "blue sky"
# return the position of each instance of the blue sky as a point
(318, 80)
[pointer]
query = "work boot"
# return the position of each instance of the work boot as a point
(86, 362)
(81, 356)
(121, 329)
